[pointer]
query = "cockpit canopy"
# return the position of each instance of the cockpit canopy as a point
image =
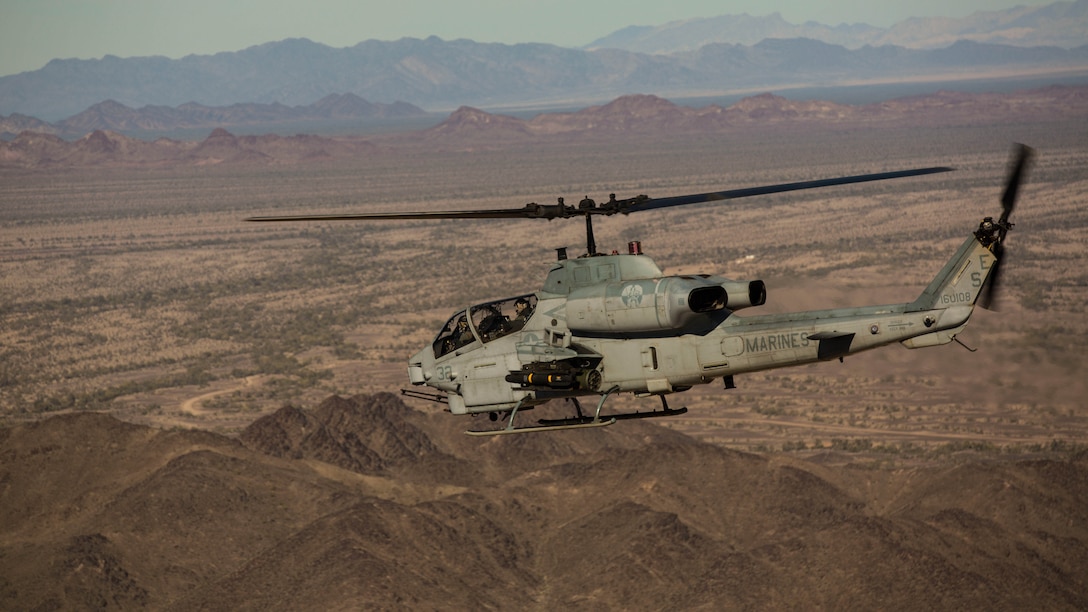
(484, 323)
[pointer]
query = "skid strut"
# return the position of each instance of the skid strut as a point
(579, 422)
(622, 416)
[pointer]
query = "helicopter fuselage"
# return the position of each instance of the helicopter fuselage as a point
(603, 324)
(616, 323)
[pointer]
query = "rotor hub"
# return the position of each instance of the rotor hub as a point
(990, 231)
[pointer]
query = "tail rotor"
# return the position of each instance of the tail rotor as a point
(992, 233)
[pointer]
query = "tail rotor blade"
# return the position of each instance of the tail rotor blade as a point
(1017, 165)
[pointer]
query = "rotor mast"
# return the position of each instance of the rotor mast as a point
(589, 208)
(591, 244)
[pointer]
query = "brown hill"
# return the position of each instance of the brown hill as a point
(628, 113)
(16, 123)
(378, 438)
(364, 502)
(112, 115)
(651, 114)
(32, 149)
(467, 124)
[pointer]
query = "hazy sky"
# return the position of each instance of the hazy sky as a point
(32, 32)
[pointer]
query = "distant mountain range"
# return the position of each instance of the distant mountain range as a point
(114, 116)
(1061, 24)
(435, 74)
(635, 116)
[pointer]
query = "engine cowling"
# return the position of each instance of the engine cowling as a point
(645, 305)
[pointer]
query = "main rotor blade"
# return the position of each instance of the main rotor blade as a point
(733, 194)
(1021, 155)
(588, 207)
(501, 213)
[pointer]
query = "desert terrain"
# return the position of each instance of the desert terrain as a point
(166, 368)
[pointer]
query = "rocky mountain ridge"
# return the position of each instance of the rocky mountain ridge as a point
(364, 502)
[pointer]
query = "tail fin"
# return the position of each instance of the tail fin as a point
(972, 274)
(960, 281)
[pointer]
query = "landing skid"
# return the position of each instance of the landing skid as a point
(664, 412)
(535, 428)
(575, 421)
(581, 421)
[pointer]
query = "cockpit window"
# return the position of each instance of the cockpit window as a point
(454, 335)
(489, 321)
(497, 319)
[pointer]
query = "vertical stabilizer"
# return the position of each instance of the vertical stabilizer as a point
(961, 280)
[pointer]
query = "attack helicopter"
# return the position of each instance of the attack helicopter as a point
(603, 324)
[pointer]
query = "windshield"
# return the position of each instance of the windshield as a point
(489, 321)
(497, 319)
(455, 334)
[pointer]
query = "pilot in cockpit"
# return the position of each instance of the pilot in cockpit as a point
(522, 313)
(463, 333)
